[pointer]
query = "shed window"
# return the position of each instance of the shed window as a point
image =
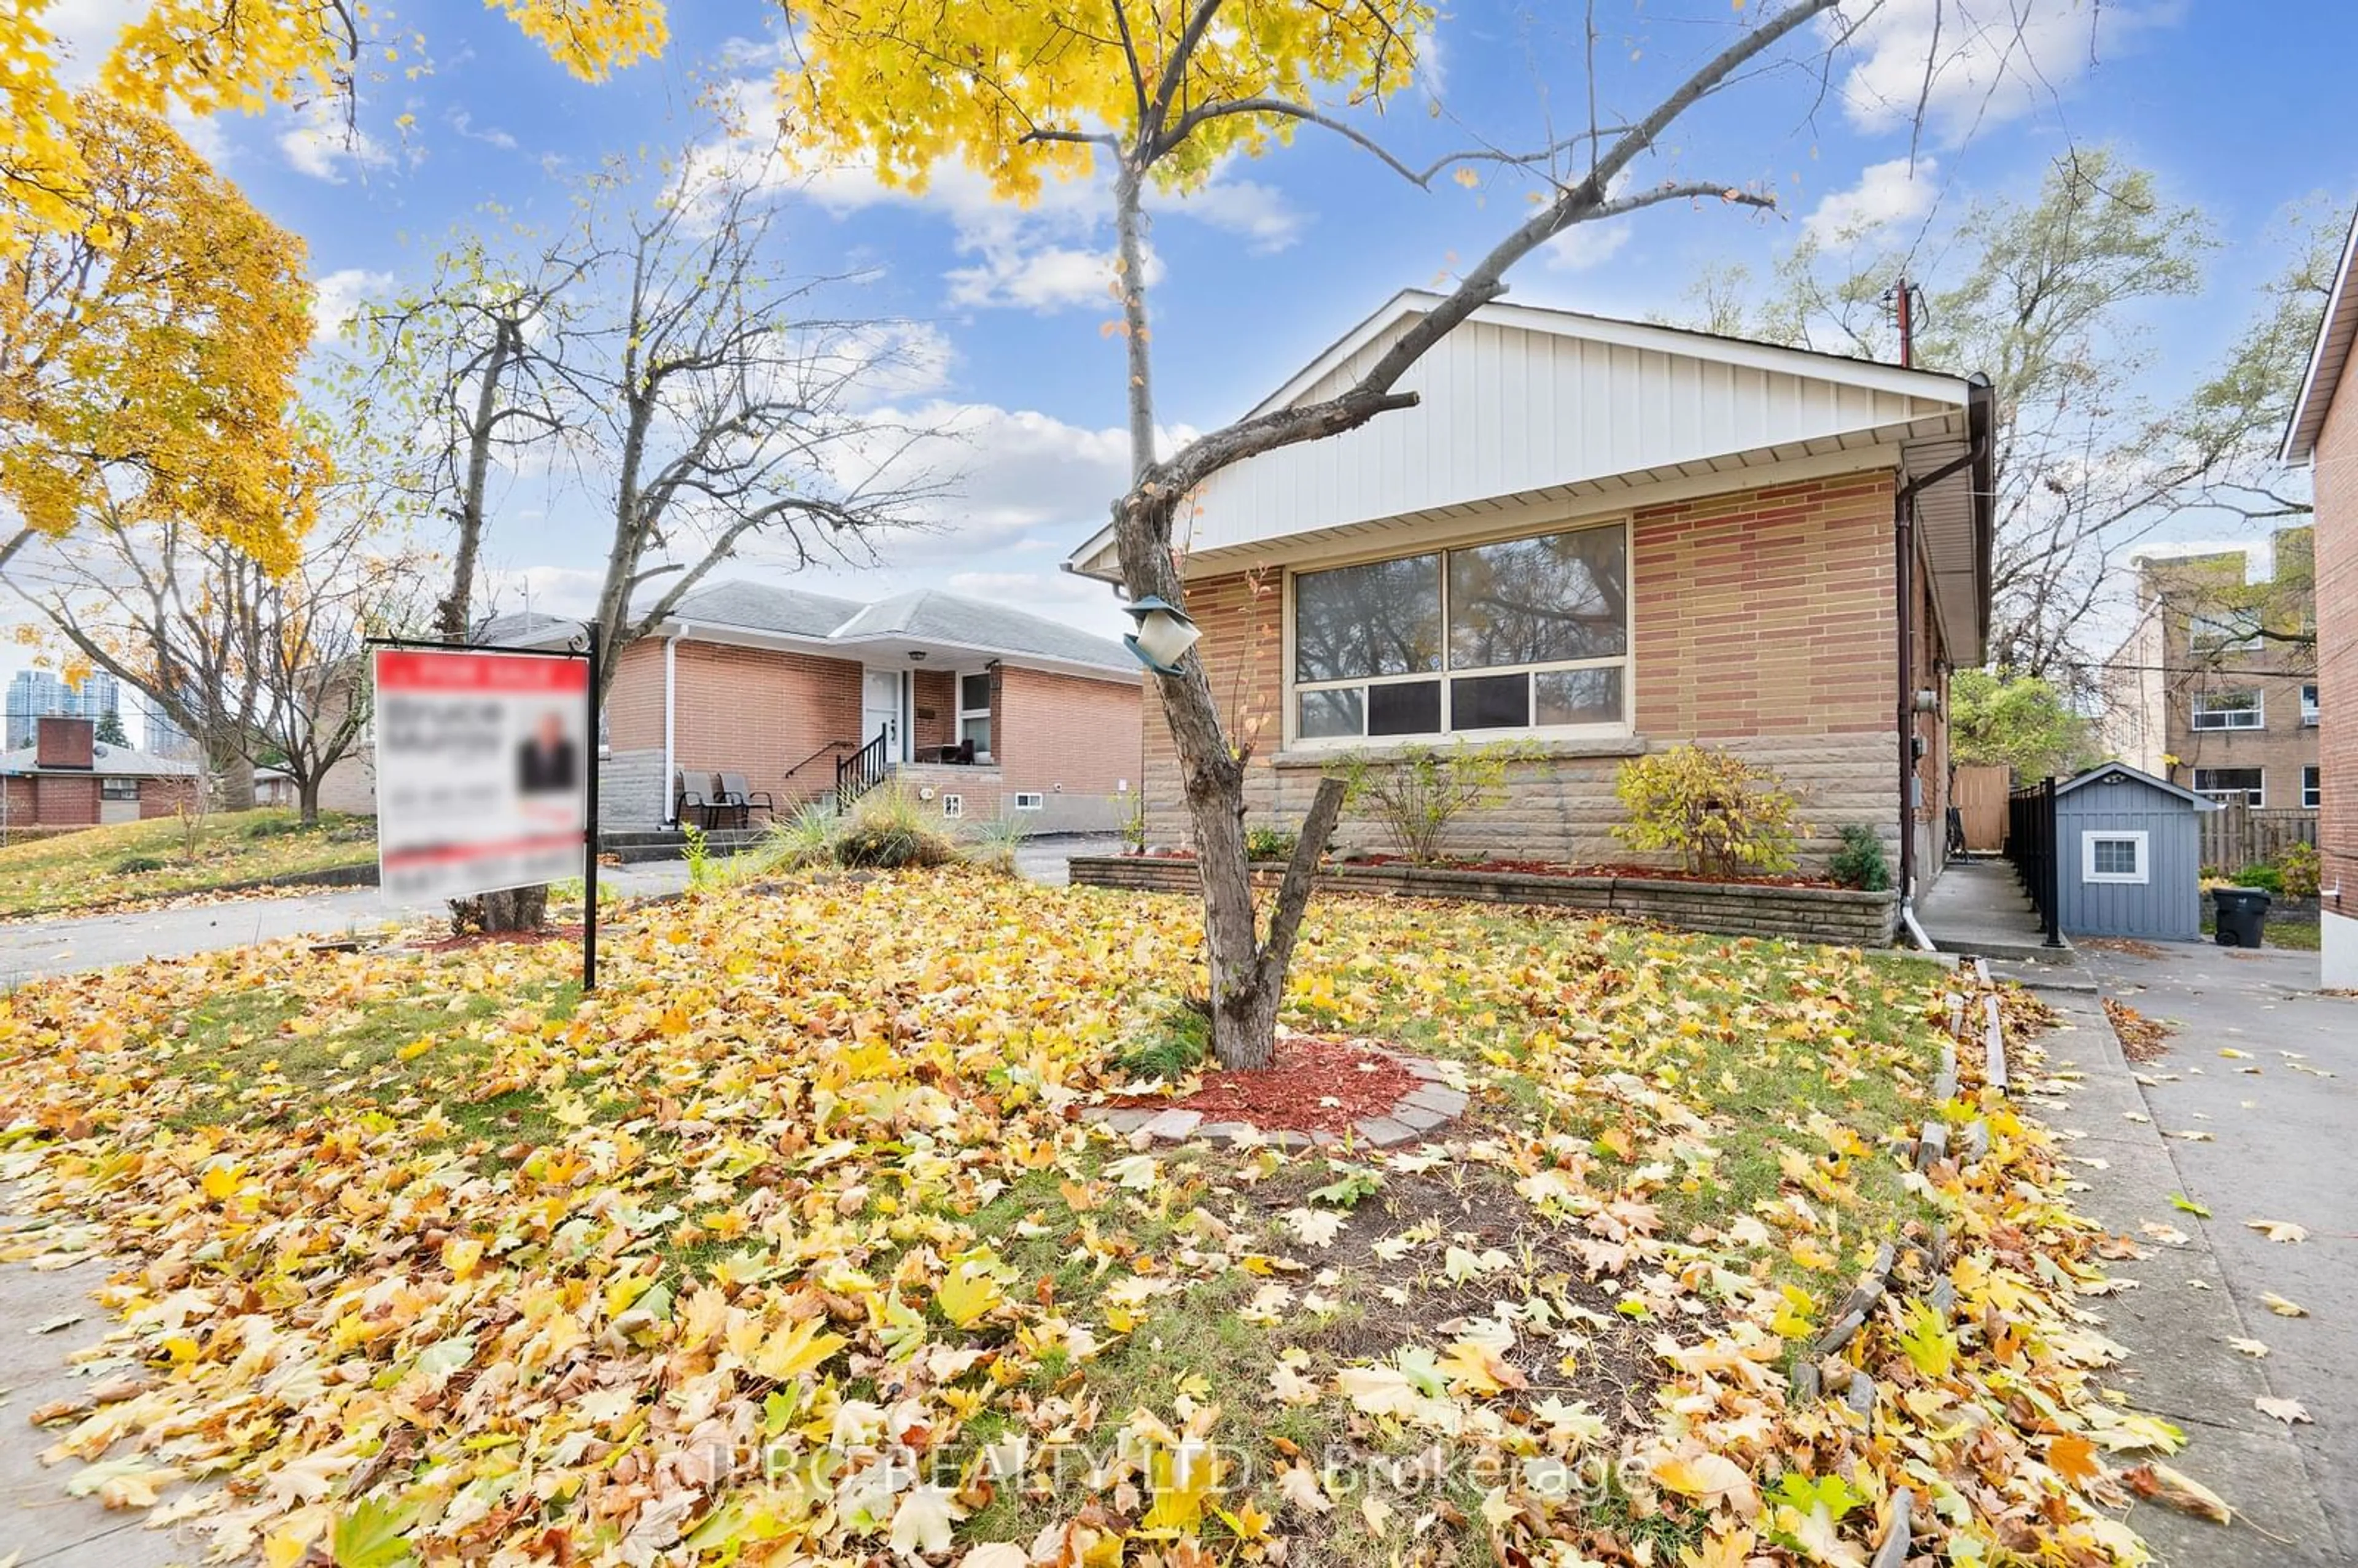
(2310, 789)
(118, 789)
(2229, 710)
(1521, 635)
(2112, 857)
(2227, 786)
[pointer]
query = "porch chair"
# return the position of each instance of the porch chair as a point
(684, 800)
(730, 794)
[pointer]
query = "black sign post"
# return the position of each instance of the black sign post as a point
(589, 832)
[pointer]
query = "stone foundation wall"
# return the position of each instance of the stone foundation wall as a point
(1833, 915)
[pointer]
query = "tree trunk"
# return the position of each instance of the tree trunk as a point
(516, 909)
(235, 776)
(307, 799)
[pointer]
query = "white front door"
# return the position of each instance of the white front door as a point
(879, 709)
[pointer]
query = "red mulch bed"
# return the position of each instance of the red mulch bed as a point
(1305, 1071)
(485, 938)
(1557, 869)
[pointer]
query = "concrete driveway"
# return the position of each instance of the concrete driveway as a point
(2263, 1074)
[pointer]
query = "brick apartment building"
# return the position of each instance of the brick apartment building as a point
(2215, 687)
(2324, 435)
(1600, 538)
(67, 779)
(979, 710)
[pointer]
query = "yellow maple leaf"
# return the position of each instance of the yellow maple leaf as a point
(800, 1350)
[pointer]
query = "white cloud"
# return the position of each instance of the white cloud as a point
(86, 31)
(1991, 61)
(340, 295)
(1044, 278)
(1899, 191)
(324, 144)
(1043, 257)
(1585, 245)
(464, 123)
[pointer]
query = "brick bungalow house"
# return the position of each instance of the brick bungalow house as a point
(1603, 537)
(2324, 435)
(66, 779)
(781, 686)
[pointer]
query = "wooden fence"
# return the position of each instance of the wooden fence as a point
(1979, 795)
(2239, 835)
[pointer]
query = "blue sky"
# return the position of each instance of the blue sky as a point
(1282, 255)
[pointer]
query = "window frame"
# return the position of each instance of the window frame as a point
(1625, 662)
(2235, 631)
(2309, 705)
(1031, 800)
(2312, 785)
(985, 713)
(112, 787)
(953, 805)
(2255, 797)
(2138, 837)
(2201, 707)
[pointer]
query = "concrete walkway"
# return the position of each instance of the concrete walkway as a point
(1979, 907)
(2282, 1121)
(29, 948)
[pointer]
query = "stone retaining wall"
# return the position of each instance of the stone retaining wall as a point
(1834, 915)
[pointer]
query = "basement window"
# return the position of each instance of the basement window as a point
(2113, 858)
(953, 805)
(1030, 800)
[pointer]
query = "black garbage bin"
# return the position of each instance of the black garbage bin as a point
(2242, 914)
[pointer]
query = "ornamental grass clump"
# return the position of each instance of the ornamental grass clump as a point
(888, 829)
(1722, 815)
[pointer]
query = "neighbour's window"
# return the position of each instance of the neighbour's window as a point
(2310, 787)
(974, 711)
(2112, 856)
(2231, 631)
(2229, 710)
(118, 789)
(953, 805)
(2227, 786)
(1030, 800)
(1524, 634)
(2309, 705)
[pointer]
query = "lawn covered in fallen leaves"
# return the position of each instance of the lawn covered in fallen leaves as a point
(789, 1245)
(139, 863)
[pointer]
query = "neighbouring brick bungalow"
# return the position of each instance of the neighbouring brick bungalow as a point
(1605, 538)
(2324, 435)
(781, 686)
(66, 779)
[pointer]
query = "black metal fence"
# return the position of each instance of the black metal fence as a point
(2030, 845)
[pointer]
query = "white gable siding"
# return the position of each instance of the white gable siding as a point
(1507, 410)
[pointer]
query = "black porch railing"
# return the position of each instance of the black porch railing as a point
(862, 771)
(2030, 845)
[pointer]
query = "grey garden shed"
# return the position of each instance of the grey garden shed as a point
(2129, 853)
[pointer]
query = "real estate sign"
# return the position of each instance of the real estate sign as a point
(483, 763)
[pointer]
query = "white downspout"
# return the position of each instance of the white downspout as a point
(671, 730)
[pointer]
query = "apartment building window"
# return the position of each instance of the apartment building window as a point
(974, 711)
(2309, 787)
(1528, 634)
(2231, 633)
(2230, 710)
(2227, 786)
(2308, 706)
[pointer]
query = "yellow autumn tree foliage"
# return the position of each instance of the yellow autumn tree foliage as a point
(210, 55)
(1003, 85)
(147, 358)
